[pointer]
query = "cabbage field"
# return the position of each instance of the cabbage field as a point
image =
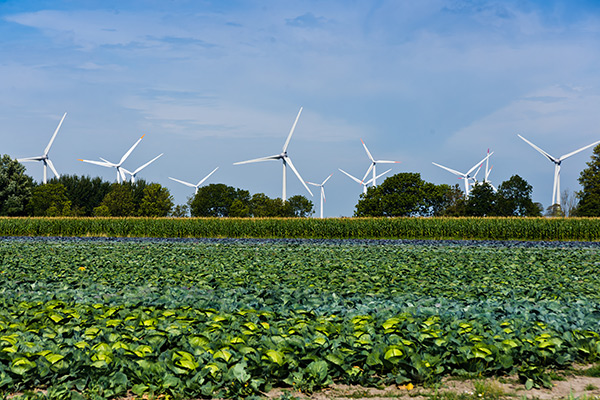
(102, 318)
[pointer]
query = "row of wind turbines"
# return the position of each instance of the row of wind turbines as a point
(469, 177)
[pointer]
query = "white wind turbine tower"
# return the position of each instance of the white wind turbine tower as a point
(44, 157)
(465, 176)
(283, 156)
(196, 186)
(108, 164)
(374, 165)
(322, 186)
(557, 162)
(363, 183)
(134, 173)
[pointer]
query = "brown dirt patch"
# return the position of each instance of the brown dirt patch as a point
(573, 387)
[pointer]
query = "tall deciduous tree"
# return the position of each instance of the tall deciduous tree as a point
(589, 196)
(514, 199)
(298, 206)
(84, 192)
(482, 201)
(119, 202)
(262, 206)
(15, 187)
(49, 200)
(215, 200)
(404, 194)
(157, 201)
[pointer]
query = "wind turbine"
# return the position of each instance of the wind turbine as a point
(373, 165)
(557, 162)
(363, 183)
(44, 157)
(283, 156)
(322, 186)
(134, 173)
(466, 176)
(108, 164)
(488, 169)
(196, 186)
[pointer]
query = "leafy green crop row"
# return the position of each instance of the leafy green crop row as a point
(203, 320)
(581, 229)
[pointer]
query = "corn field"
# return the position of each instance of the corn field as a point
(564, 229)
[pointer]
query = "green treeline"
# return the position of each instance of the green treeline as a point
(83, 196)
(402, 195)
(490, 228)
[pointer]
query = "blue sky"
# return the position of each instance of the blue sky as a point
(215, 82)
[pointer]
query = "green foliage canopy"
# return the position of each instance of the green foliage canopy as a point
(157, 201)
(403, 195)
(49, 200)
(589, 179)
(15, 187)
(84, 192)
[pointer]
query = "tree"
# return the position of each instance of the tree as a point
(239, 209)
(262, 206)
(589, 179)
(215, 200)
(404, 194)
(180, 211)
(49, 200)
(298, 206)
(157, 201)
(514, 199)
(84, 192)
(119, 202)
(455, 204)
(15, 187)
(481, 201)
(569, 201)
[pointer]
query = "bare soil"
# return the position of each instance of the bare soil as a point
(572, 387)
(569, 387)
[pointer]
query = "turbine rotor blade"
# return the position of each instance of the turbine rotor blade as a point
(206, 177)
(382, 174)
(289, 161)
(577, 151)
(269, 158)
(145, 165)
(387, 162)
(368, 171)
(367, 150)
(450, 170)
(130, 150)
(480, 163)
(314, 184)
(287, 141)
(108, 162)
(350, 176)
(53, 136)
(122, 173)
(184, 182)
(27, 159)
(101, 163)
(52, 168)
(325, 181)
(548, 156)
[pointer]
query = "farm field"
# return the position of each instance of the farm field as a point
(230, 318)
(456, 228)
